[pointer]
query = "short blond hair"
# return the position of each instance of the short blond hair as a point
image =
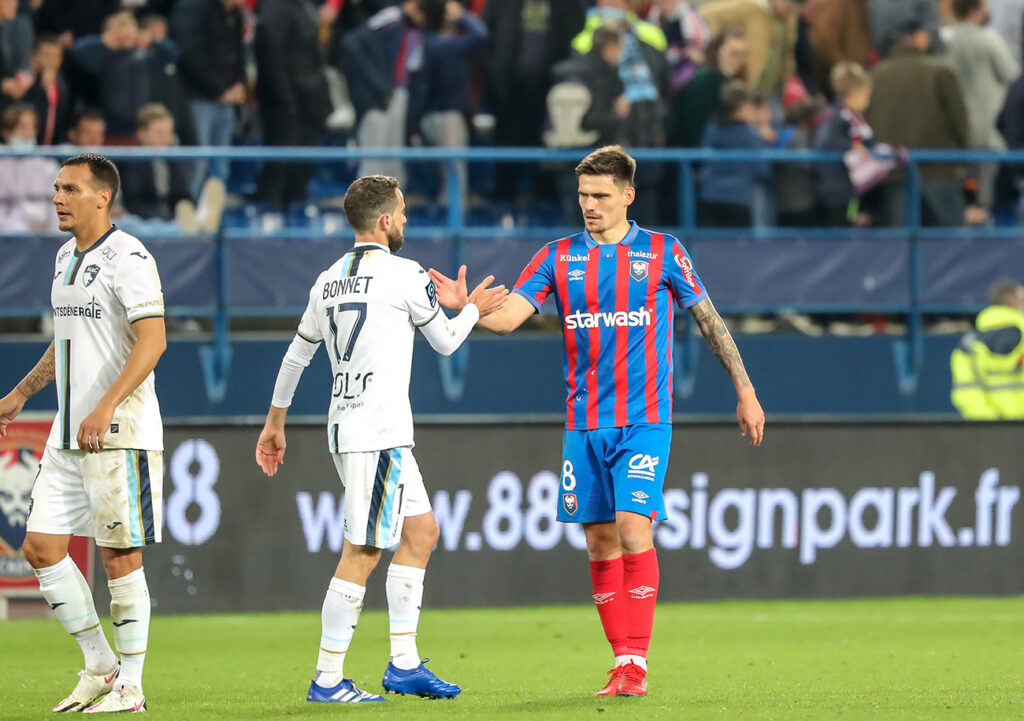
(151, 112)
(847, 77)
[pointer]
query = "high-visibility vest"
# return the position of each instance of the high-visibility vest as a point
(988, 367)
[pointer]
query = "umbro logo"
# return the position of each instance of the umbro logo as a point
(112, 526)
(602, 598)
(135, 620)
(639, 496)
(576, 274)
(641, 592)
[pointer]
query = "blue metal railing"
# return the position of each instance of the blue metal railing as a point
(907, 350)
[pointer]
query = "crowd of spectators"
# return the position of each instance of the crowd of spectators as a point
(867, 78)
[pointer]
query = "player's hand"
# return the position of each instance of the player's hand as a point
(270, 449)
(750, 417)
(10, 406)
(94, 428)
(452, 294)
(487, 300)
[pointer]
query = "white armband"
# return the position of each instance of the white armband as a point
(295, 361)
(445, 334)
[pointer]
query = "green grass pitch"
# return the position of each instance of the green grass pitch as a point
(867, 659)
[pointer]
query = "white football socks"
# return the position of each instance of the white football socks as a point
(340, 616)
(640, 661)
(130, 610)
(405, 595)
(66, 590)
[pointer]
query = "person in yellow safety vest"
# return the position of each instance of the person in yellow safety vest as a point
(988, 367)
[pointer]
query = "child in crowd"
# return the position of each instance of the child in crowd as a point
(727, 188)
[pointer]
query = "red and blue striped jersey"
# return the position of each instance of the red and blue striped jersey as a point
(615, 302)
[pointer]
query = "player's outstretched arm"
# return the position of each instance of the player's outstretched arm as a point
(38, 378)
(715, 332)
(509, 316)
(270, 447)
(151, 344)
(445, 335)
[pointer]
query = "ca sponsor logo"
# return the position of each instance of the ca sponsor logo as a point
(641, 592)
(638, 269)
(643, 466)
(576, 274)
(602, 598)
(621, 318)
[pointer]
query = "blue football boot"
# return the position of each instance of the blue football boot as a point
(344, 692)
(419, 681)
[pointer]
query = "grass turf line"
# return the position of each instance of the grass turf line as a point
(866, 659)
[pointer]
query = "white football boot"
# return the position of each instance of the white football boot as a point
(124, 697)
(88, 689)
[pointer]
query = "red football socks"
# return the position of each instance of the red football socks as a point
(640, 577)
(606, 578)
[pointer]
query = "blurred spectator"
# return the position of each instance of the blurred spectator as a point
(293, 96)
(49, 92)
(911, 85)
(770, 27)
(212, 70)
(1006, 17)
(451, 38)
(587, 107)
(123, 60)
(700, 100)
(844, 130)
(839, 32)
(26, 184)
(152, 188)
(687, 35)
(89, 129)
(988, 367)
(727, 189)
(382, 57)
(986, 69)
(15, 53)
(889, 18)
(796, 184)
(165, 82)
(527, 39)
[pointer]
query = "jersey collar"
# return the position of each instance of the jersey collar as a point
(367, 245)
(626, 239)
(97, 244)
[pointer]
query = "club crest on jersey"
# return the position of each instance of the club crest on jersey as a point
(90, 273)
(570, 504)
(638, 269)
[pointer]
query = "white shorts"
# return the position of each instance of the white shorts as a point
(114, 496)
(382, 489)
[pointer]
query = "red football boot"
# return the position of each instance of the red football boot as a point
(612, 687)
(633, 680)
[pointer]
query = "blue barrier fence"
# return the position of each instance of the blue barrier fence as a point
(909, 271)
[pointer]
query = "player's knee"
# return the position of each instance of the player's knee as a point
(423, 535)
(40, 555)
(635, 538)
(602, 541)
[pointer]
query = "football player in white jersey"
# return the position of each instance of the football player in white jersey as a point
(365, 309)
(101, 473)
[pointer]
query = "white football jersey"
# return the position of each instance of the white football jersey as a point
(365, 309)
(96, 297)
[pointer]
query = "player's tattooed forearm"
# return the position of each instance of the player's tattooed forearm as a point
(40, 376)
(715, 332)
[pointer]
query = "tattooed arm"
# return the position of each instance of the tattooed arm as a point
(748, 410)
(37, 379)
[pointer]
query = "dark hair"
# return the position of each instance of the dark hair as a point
(45, 39)
(610, 160)
(604, 37)
(87, 114)
(1004, 292)
(734, 96)
(962, 8)
(103, 170)
(801, 112)
(433, 14)
(12, 114)
(367, 199)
